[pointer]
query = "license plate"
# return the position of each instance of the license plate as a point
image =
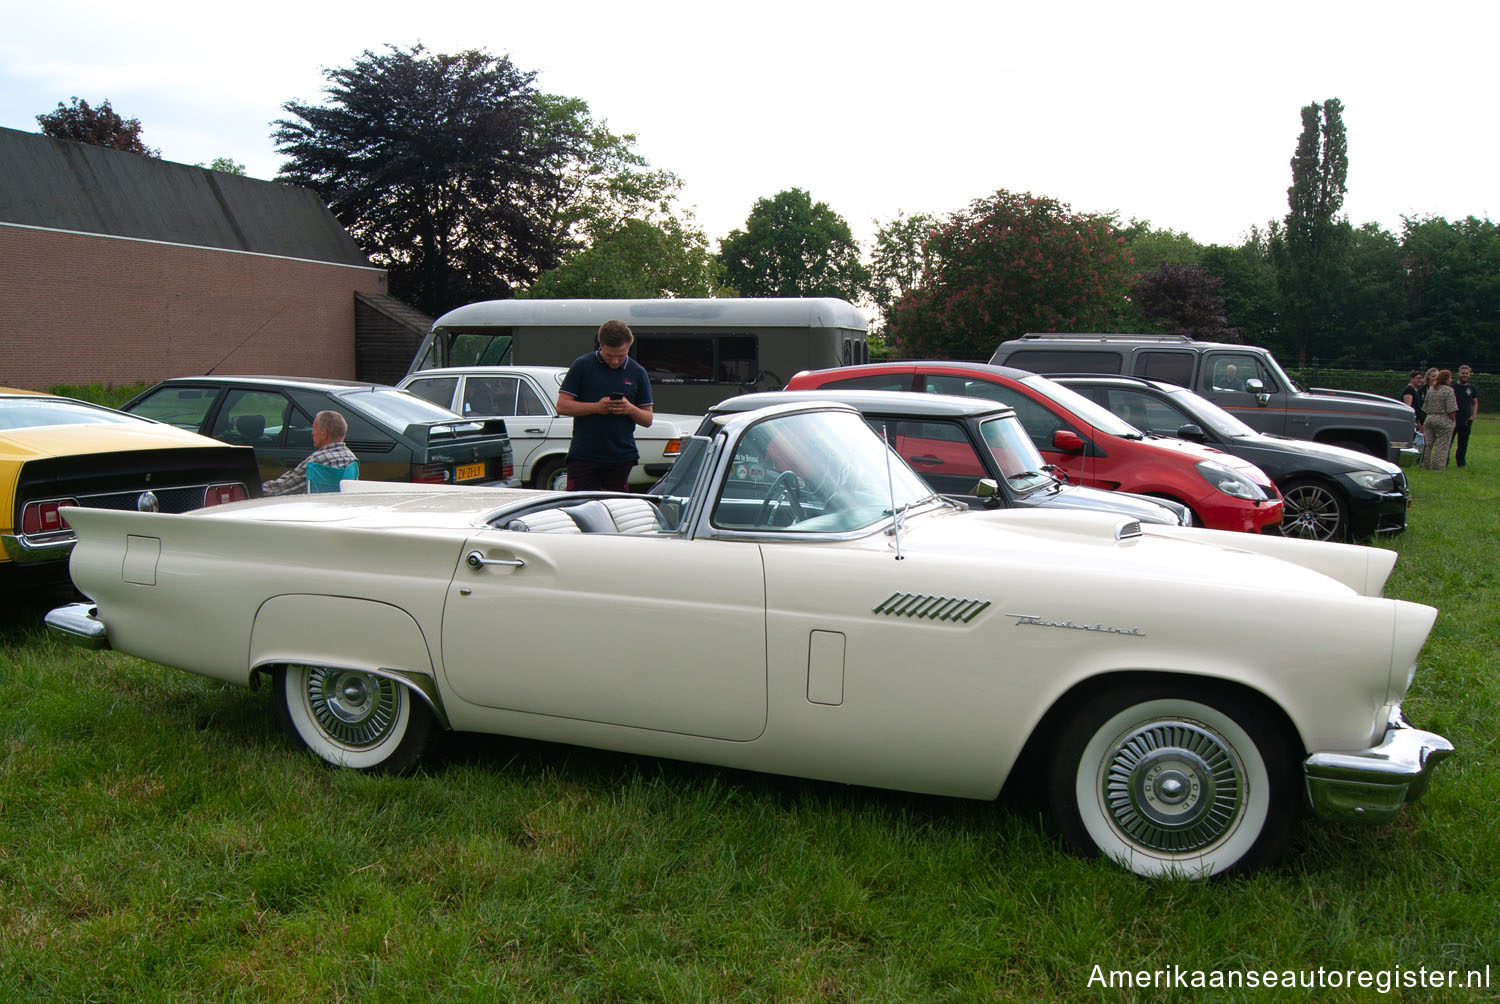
(468, 472)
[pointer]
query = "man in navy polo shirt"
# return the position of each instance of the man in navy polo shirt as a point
(607, 394)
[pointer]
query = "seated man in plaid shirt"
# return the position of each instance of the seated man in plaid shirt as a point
(328, 432)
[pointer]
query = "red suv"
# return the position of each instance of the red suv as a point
(1087, 442)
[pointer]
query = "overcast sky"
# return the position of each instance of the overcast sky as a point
(1183, 114)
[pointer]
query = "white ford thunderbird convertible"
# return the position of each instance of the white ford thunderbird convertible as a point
(794, 599)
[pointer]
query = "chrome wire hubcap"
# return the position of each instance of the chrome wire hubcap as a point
(353, 708)
(1172, 786)
(1310, 512)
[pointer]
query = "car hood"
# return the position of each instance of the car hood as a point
(1213, 558)
(1354, 459)
(63, 440)
(1087, 499)
(1200, 451)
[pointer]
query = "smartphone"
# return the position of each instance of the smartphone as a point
(617, 397)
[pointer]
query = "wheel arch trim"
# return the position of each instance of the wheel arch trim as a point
(1048, 727)
(421, 684)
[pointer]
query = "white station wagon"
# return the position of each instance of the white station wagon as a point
(1178, 693)
(539, 435)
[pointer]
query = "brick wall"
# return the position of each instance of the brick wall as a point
(80, 309)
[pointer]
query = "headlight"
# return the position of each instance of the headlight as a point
(1375, 481)
(1230, 482)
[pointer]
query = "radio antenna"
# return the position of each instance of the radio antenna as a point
(890, 482)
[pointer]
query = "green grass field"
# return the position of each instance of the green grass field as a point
(159, 841)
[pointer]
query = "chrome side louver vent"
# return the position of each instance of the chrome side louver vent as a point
(1125, 531)
(932, 608)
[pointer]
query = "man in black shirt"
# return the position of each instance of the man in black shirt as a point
(607, 394)
(1468, 410)
(1411, 396)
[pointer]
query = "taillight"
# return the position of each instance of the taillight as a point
(507, 471)
(45, 517)
(222, 494)
(673, 447)
(429, 474)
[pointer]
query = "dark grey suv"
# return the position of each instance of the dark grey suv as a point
(1244, 380)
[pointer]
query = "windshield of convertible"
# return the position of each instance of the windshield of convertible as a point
(813, 472)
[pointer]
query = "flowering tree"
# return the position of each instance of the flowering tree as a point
(99, 125)
(1009, 264)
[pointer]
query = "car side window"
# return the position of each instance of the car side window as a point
(438, 390)
(528, 402)
(1171, 367)
(489, 396)
(1065, 361)
(1039, 423)
(184, 407)
(1226, 372)
(1147, 413)
(879, 381)
(939, 451)
(253, 418)
(299, 429)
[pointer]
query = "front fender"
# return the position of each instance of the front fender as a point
(1363, 569)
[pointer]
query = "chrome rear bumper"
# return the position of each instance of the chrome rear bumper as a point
(78, 624)
(1372, 785)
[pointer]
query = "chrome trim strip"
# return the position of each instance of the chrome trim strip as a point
(421, 684)
(932, 608)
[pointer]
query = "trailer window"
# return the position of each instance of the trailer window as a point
(478, 348)
(697, 358)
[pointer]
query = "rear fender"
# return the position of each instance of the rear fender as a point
(347, 633)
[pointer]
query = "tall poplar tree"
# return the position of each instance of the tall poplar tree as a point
(1313, 263)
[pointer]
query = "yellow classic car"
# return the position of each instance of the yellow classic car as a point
(56, 452)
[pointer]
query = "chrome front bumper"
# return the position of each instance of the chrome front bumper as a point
(1372, 785)
(77, 623)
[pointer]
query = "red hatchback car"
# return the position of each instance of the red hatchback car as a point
(1085, 441)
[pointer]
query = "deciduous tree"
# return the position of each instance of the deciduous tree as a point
(1247, 279)
(899, 259)
(1184, 300)
(97, 126)
(636, 260)
(1008, 264)
(455, 173)
(1454, 288)
(792, 246)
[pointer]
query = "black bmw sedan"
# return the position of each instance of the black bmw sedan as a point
(1330, 493)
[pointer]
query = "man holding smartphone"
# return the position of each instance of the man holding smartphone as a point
(607, 394)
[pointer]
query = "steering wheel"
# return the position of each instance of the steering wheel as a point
(785, 484)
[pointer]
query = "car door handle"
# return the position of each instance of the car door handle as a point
(534, 432)
(476, 560)
(928, 459)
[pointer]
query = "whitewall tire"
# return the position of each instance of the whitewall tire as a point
(353, 719)
(1173, 785)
